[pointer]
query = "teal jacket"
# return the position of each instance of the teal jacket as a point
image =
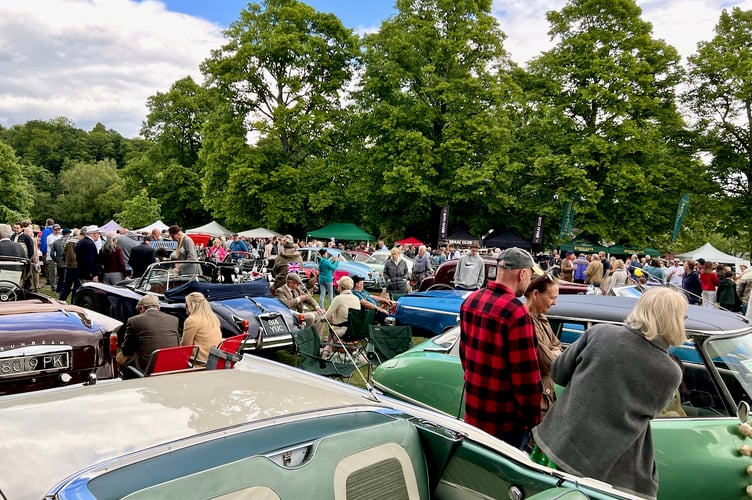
(326, 270)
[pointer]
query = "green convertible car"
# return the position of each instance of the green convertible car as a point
(698, 455)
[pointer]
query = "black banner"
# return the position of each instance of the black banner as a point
(443, 222)
(538, 232)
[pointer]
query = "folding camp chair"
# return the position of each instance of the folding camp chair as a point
(226, 354)
(308, 346)
(385, 342)
(355, 337)
(168, 359)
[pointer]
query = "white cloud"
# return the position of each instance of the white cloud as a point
(680, 23)
(94, 60)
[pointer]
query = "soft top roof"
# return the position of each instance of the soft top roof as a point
(213, 291)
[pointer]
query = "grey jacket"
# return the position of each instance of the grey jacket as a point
(616, 382)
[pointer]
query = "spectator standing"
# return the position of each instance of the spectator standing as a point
(86, 255)
(594, 271)
(709, 280)
(744, 287)
(289, 261)
(726, 294)
(395, 272)
(48, 228)
(71, 281)
(619, 277)
(452, 253)
(617, 378)
(327, 265)
(201, 328)
(540, 295)
(126, 241)
(186, 250)
(9, 247)
(19, 236)
(50, 263)
(238, 245)
(470, 271)
(142, 256)
(498, 354)
(216, 251)
(146, 332)
(580, 265)
(421, 265)
(56, 257)
(567, 267)
(110, 260)
(691, 283)
(675, 275)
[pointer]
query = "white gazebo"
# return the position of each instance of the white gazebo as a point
(154, 225)
(259, 232)
(712, 254)
(213, 228)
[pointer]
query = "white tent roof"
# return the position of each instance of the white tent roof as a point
(213, 228)
(154, 225)
(259, 232)
(712, 254)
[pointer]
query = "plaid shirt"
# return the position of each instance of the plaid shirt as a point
(498, 352)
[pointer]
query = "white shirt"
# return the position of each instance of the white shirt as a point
(50, 240)
(675, 274)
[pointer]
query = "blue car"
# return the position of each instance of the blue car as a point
(346, 267)
(246, 307)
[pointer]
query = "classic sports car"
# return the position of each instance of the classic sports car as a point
(717, 367)
(45, 343)
(443, 278)
(246, 307)
(260, 430)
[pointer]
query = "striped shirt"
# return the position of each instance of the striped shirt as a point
(498, 353)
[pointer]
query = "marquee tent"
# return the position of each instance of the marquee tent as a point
(259, 232)
(582, 245)
(506, 239)
(341, 231)
(409, 241)
(110, 226)
(461, 238)
(213, 228)
(712, 254)
(154, 225)
(626, 249)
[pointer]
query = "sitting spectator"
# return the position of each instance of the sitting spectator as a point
(146, 332)
(201, 328)
(368, 301)
(339, 310)
(293, 297)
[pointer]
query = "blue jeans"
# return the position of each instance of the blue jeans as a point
(324, 289)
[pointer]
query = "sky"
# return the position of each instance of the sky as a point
(100, 60)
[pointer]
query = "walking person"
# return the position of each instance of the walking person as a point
(327, 265)
(470, 271)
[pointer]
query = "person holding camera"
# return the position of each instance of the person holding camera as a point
(328, 263)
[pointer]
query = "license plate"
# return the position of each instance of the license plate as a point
(274, 326)
(30, 364)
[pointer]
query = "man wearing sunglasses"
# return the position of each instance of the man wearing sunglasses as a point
(498, 353)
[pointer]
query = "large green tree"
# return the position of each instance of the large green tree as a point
(91, 193)
(15, 201)
(277, 85)
(603, 130)
(434, 117)
(720, 96)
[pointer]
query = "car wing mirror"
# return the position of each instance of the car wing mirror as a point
(742, 411)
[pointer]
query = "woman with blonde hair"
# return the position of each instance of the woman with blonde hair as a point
(617, 378)
(201, 328)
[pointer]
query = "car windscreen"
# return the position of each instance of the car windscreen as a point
(11, 271)
(732, 357)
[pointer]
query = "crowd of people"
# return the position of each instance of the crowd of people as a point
(616, 378)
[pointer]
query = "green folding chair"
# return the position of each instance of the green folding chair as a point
(308, 347)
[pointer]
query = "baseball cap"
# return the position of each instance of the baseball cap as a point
(148, 300)
(67, 231)
(516, 258)
(56, 226)
(357, 278)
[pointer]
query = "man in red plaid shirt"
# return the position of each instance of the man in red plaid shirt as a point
(498, 352)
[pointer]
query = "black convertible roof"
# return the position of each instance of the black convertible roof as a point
(213, 291)
(615, 309)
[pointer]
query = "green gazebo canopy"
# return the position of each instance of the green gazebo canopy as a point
(342, 231)
(582, 245)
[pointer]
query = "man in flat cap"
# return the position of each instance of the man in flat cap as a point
(146, 332)
(498, 352)
(291, 295)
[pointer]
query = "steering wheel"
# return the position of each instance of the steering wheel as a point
(440, 286)
(9, 291)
